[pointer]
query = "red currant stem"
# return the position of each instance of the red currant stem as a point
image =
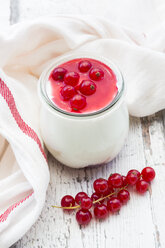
(100, 199)
(77, 206)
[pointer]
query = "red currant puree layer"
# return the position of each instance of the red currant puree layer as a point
(82, 85)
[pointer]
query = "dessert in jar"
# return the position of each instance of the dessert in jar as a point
(83, 118)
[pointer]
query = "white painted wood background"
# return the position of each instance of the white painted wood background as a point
(141, 223)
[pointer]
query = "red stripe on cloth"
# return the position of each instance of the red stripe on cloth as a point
(7, 95)
(3, 217)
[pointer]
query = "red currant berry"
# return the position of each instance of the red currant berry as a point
(77, 87)
(124, 181)
(96, 74)
(115, 180)
(123, 195)
(148, 174)
(100, 211)
(86, 203)
(95, 197)
(59, 73)
(134, 171)
(142, 186)
(78, 102)
(71, 78)
(84, 66)
(67, 201)
(87, 87)
(109, 191)
(132, 177)
(68, 92)
(79, 197)
(100, 185)
(113, 204)
(83, 216)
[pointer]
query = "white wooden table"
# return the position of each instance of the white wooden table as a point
(141, 223)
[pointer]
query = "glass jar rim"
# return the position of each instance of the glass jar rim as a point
(64, 58)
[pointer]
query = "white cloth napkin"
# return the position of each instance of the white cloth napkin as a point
(25, 50)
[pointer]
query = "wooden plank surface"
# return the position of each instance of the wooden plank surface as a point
(140, 224)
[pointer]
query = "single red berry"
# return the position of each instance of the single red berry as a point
(71, 78)
(87, 87)
(142, 186)
(148, 174)
(132, 177)
(59, 73)
(84, 66)
(115, 180)
(113, 204)
(79, 197)
(86, 203)
(123, 195)
(68, 92)
(95, 197)
(134, 171)
(77, 87)
(100, 211)
(83, 216)
(124, 181)
(100, 185)
(109, 191)
(78, 102)
(67, 201)
(96, 74)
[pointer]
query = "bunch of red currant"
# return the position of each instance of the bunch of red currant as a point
(112, 190)
(74, 92)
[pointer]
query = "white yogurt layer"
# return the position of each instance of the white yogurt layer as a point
(82, 141)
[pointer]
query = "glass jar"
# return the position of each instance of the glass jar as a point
(80, 140)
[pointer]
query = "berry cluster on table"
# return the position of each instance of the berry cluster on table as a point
(109, 195)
